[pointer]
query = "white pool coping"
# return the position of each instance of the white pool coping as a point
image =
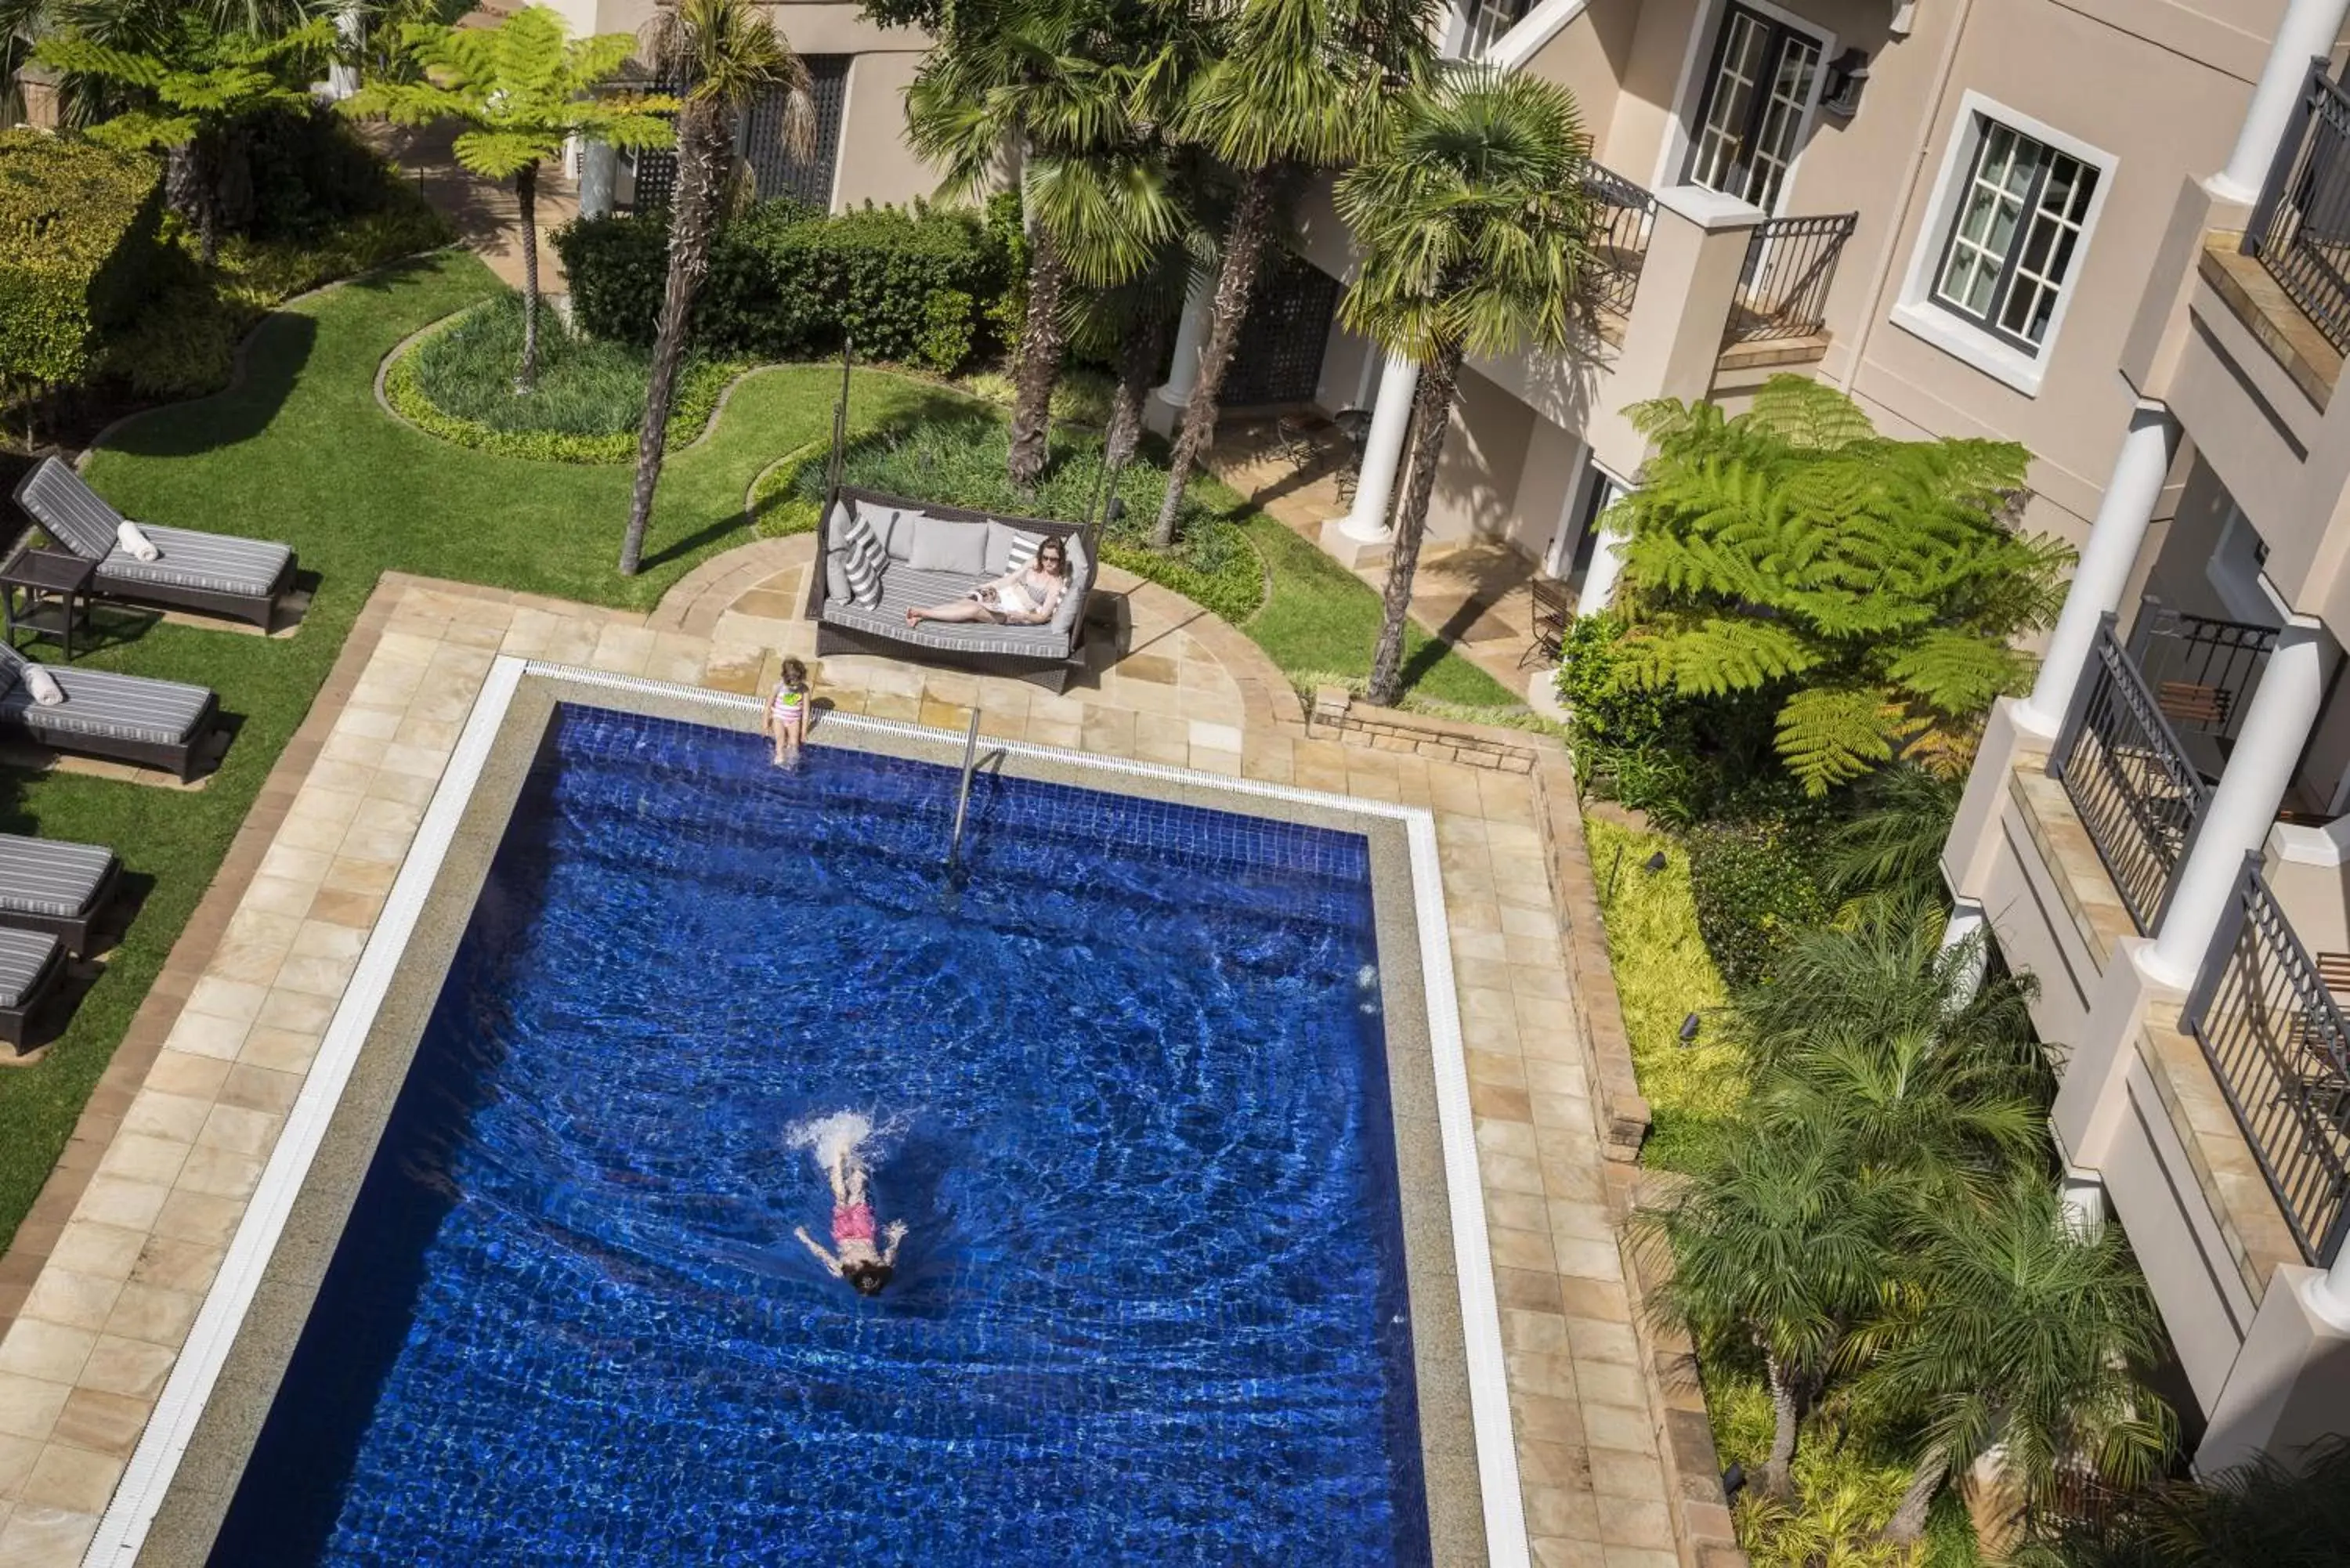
(123, 1531)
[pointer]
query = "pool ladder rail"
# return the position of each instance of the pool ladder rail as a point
(962, 791)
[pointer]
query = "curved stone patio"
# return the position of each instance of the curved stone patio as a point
(102, 1284)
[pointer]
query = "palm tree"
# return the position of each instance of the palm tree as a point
(1286, 86)
(2011, 1331)
(1047, 76)
(524, 88)
(727, 56)
(1473, 226)
(1771, 1245)
(2264, 1514)
(1129, 324)
(1891, 849)
(193, 82)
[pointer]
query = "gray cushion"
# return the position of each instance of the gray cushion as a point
(836, 576)
(68, 510)
(215, 563)
(1073, 600)
(891, 533)
(102, 703)
(39, 876)
(24, 955)
(1008, 546)
(940, 545)
(906, 588)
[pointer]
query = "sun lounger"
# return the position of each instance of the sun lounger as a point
(218, 574)
(127, 718)
(30, 963)
(56, 888)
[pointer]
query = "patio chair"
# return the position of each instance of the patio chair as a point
(1553, 612)
(30, 965)
(124, 718)
(60, 888)
(217, 573)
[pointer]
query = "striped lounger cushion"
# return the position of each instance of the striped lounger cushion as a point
(122, 707)
(58, 881)
(213, 563)
(22, 956)
(78, 518)
(904, 589)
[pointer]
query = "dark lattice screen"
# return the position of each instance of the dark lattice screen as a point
(762, 144)
(1280, 356)
(778, 174)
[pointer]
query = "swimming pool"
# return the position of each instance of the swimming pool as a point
(1154, 1306)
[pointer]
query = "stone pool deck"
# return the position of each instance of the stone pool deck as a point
(100, 1287)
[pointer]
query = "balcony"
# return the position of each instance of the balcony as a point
(1779, 314)
(2300, 235)
(1624, 215)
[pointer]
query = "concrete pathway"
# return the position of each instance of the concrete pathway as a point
(103, 1282)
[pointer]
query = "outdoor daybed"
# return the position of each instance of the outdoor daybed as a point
(60, 888)
(127, 718)
(217, 573)
(30, 963)
(932, 554)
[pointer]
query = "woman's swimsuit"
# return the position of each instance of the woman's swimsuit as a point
(852, 1222)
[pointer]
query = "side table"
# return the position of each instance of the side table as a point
(56, 588)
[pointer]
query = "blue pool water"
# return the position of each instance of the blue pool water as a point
(1152, 1307)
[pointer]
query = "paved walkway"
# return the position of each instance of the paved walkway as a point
(106, 1277)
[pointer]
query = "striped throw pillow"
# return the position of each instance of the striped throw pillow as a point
(1023, 551)
(862, 557)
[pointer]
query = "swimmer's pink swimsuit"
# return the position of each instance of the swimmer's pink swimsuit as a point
(852, 1222)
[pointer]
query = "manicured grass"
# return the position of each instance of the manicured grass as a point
(300, 451)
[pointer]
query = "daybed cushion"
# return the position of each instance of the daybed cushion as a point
(210, 563)
(1081, 577)
(943, 546)
(98, 702)
(38, 877)
(22, 956)
(904, 589)
(1008, 547)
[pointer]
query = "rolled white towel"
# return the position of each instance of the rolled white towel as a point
(134, 542)
(43, 686)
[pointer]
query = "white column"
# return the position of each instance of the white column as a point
(1968, 923)
(1190, 332)
(1606, 568)
(2244, 808)
(2082, 1193)
(2307, 30)
(1383, 445)
(600, 173)
(350, 30)
(2328, 1294)
(2114, 539)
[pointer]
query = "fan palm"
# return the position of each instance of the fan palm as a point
(522, 89)
(1772, 1245)
(726, 56)
(2011, 1330)
(1281, 87)
(1473, 226)
(1048, 78)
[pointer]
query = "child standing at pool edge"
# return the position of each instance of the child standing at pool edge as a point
(787, 710)
(837, 1142)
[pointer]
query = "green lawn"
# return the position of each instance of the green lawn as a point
(301, 452)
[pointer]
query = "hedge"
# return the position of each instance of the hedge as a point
(77, 244)
(919, 287)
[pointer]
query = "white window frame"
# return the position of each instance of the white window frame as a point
(1705, 38)
(1918, 314)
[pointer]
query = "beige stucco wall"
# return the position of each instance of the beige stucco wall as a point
(1484, 453)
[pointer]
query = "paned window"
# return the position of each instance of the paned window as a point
(2014, 236)
(1751, 122)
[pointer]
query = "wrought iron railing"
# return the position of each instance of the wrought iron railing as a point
(1625, 216)
(2277, 1042)
(1782, 290)
(2301, 230)
(2202, 672)
(2136, 791)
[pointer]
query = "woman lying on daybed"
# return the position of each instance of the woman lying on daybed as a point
(1025, 596)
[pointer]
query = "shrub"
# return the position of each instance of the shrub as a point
(1755, 886)
(960, 461)
(908, 285)
(1682, 759)
(458, 384)
(77, 246)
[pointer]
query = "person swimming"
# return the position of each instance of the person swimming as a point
(837, 1142)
